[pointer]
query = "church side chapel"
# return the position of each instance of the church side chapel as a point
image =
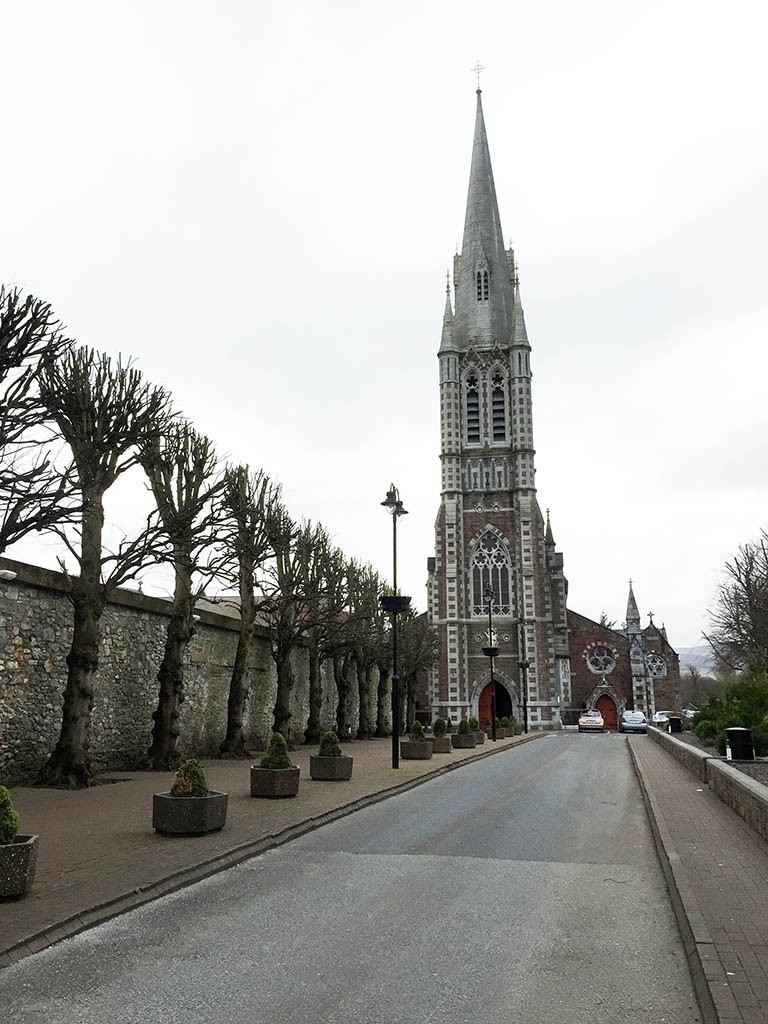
(494, 550)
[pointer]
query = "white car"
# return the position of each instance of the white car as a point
(633, 721)
(661, 717)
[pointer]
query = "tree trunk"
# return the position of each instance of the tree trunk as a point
(233, 744)
(162, 754)
(364, 726)
(312, 732)
(383, 702)
(69, 763)
(341, 676)
(283, 714)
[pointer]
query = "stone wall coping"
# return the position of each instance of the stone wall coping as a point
(756, 790)
(211, 613)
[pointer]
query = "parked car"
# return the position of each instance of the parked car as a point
(633, 721)
(690, 712)
(591, 721)
(660, 717)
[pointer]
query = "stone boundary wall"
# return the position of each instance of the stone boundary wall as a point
(749, 799)
(35, 637)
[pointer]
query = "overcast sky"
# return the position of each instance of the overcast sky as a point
(259, 202)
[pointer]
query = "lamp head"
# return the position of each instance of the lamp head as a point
(489, 595)
(7, 575)
(392, 501)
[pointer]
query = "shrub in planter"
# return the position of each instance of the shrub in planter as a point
(189, 808)
(465, 738)
(501, 731)
(441, 742)
(275, 775)
(329, 764)
(18, 854)
(474, 726)
(448, 726)
(417, 747)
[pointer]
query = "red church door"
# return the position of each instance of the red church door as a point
(484, 706)
(607, 708)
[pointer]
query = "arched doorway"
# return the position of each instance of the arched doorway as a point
(606, 705)
(503, 703)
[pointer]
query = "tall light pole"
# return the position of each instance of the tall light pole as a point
(523, 665)
(394, 604)
(491, 652)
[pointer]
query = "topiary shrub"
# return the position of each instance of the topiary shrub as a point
(439, 726)
(464, 728)
(190, 780)
(277, 753)
(417, 732)
(448, 725)
(474, 725)
(329, 746)
(9, 818)
(505, 722)
(487, 725)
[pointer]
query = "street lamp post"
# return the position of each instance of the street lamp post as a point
(491, 652)
(523, 665)
(394, 603)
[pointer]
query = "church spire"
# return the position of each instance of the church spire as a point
(484, 293)
(633, 615)
(447, 342)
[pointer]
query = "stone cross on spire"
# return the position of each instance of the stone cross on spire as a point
(477, 69)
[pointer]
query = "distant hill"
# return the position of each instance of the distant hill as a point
(699, 657)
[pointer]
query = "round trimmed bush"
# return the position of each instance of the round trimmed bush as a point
(329, 745)
(277, 753)
(417, 731)
(439, 726)
(9, 818)
(464, 728)
(474, 725)
(190, 780)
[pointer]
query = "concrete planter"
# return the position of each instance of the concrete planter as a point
(188, 815)
(479, 737)
(465, 742)
(501, 733)
(274, 783)
(18, 861)
(413, 750)
(441, 745)
(330, 769)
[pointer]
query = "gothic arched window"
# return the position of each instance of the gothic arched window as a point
(498, 408)
(491, 566)
(473, 409)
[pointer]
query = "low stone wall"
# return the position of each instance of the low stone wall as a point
(692, 758)
(749, 799)
(35, 637)
(745, 796)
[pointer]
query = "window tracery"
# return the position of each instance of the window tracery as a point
(491, 566)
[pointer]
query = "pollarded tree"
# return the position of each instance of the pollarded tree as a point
(182, 469)
(417, 653)
(34, 494)
(250, 501)
(325, 588)
(298, 599)
(105, 412)
(366, 635)
(740, 617)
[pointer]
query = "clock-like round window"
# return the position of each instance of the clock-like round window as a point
(600, 659)
(657, 666)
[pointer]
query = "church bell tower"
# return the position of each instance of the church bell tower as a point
(490, 532)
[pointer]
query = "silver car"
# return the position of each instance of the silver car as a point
(633, 721)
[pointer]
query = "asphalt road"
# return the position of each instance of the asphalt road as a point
(524, 887)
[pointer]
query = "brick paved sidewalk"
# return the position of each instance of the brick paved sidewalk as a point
(99, 855)
(717, 871)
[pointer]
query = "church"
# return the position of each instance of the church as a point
(494, 550)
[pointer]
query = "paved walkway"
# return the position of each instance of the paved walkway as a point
(100, 857)
(717, 872)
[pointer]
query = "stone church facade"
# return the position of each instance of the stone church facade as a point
(493, 545)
